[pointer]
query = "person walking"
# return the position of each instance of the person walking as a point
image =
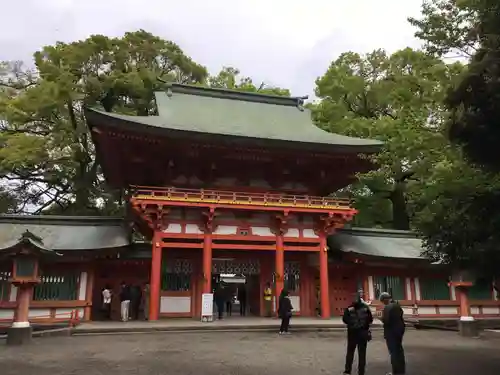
(394, 330)
(285, 309)
(125, 302)
(268, 300)
(358, 319)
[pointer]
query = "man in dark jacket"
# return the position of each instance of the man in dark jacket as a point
(358, 318)
(394, 330)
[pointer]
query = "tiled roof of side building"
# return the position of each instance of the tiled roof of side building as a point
(65, 232)
(378, 243)
(191, 110)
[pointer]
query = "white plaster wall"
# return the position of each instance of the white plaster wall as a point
(292, 232)
(453, 293)
(474, 310)
(408, 288)
(371, 289)
(426, 310)
(491, 310)
(82, 293)
(295, 303)
(13, 293)
(39, 313)
(407, 310)
(262, 231)
(309, 233)
(193, 229)
(418, 295)
(226, 229)
(448, 310)
(173, 304)
(6, 314)
(173, 228)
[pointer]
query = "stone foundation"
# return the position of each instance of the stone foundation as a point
(19, 335)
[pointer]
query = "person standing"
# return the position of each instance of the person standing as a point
(125, 302)
(394, 330)
(135, 301)
(285, 309)
(107, 295)
(145, 301)
(229, 296)
(268, 300)
(242, 298)
(358, 319)
(219, 301)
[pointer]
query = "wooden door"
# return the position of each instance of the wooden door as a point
(342, 291)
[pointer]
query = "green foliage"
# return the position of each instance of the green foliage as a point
(448, 26)
(229, 78)
(396, 99)
(460, 223)
(46, 152)
(475, 102)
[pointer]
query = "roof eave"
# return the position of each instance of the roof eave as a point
(96, 118)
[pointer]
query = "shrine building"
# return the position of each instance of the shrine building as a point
(224, 184)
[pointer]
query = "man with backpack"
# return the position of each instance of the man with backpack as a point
(394, 330)
(358, 319)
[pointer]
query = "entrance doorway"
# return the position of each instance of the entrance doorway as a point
(111, 274)
(240, 294)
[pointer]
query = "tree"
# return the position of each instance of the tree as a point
(46, 150)
(448, 26)
(396, 99)
(230, 78)
(475, 102)
(46, 155)
(463, 227)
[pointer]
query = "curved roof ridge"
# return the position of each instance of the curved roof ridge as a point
(224, 93)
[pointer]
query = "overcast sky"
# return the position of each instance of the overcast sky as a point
(287, 43)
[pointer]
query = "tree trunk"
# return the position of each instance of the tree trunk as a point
(400, 217)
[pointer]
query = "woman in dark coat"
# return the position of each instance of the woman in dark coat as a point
(285, 311)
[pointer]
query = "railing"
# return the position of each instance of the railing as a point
(72, 318)
(238, 198)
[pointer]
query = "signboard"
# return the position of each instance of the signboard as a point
(207, 307)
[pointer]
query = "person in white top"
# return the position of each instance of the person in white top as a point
(107, 296)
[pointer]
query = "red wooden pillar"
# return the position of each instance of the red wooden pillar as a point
(323, 277)
(25, 292)
(463, 298)
(207, 262)
(279, 268)
(155, 284)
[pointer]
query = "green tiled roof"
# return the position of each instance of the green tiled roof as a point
(378, 243)
(189, 110)
(64, 232)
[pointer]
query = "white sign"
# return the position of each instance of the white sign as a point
(207, 307)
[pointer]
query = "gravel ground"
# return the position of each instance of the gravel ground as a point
(428, 353)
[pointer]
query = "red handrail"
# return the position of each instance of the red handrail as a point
(253, 198)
